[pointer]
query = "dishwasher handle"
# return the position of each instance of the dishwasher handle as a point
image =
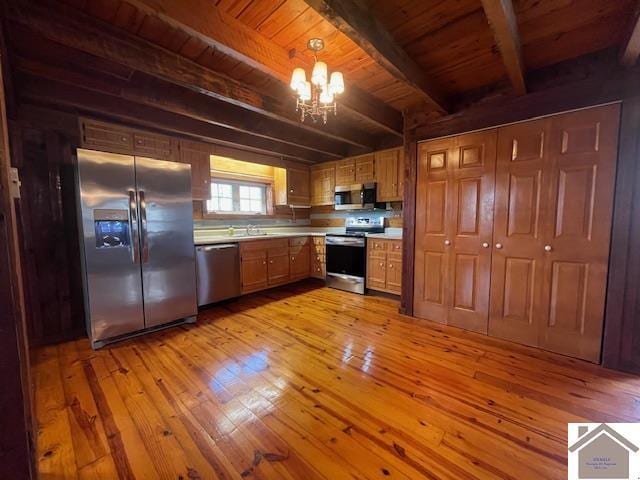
(210, 248)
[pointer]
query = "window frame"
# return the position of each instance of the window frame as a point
(235, 186)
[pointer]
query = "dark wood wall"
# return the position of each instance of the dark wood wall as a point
(42, 145)
(621, 347)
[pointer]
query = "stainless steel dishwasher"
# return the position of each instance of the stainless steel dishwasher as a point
(218, 269)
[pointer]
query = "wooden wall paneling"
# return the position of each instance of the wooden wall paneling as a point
(582, 176)
(622, 324)
(49, 233)
(409, 208)
(520, 213)
(18, 426)
(471, 167)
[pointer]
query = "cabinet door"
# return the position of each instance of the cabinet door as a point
(365, 170)
(394, 272)
(520, 213)
(197, 155)
(254, 272)
(298, 188)
(471, 225)
(386, 167)
(278, 266)
(106, 137)
(154, 145)
(346, 172)
(582, 156)
(376, 270)
(323, 182)
(300, 262)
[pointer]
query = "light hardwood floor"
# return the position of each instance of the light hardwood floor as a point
(305, 382)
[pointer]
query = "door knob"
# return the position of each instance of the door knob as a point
(498, 246)
(547, 248)
(447, 242)
(485, 245)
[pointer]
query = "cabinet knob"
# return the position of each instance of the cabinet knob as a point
(447, 242)
(291, 191)
(124, 139)
(391, 265)
(547, 248)
(382, 264)
(485, 245)
(264, 262)
(271, 262)
(498, 246)
(293, 259)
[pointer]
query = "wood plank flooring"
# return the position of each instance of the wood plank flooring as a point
(305, 382)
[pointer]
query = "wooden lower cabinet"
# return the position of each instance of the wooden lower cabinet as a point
(318, 258)
(519, 249)
(268, 263)
(384, 265)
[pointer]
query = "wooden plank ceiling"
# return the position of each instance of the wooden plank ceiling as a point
(432, 50)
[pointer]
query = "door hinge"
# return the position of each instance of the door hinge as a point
(14, 183)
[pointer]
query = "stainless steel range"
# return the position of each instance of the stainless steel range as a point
(347, 254)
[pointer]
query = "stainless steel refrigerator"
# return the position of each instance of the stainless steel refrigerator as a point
(136, 230)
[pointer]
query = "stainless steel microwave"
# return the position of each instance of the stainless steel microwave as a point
(355, 197)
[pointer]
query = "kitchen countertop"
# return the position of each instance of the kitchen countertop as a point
(217, 239)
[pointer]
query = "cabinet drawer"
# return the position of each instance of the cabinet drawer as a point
(377, 245)
(394, 246)
(278, 251)
(298, 241)
(318, 240)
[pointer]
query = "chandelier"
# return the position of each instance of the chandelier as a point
(316, 98)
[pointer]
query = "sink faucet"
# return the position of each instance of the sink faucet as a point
(250, 230)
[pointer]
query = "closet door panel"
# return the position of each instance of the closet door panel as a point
(582, 170)
(472, 187)
(431, 300)
(517, 265)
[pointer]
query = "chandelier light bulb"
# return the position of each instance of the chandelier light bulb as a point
(298, 79)
(319, 76)
(336, 85)
(304, 91)
(326, 96)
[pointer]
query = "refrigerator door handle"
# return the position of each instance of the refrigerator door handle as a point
(144, 240)
(133, 221)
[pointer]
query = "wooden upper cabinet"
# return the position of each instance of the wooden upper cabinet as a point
(105, 136)
(109, 137)
(197, 155)
(389, 174)
(323, 182)
(292, 186)
(298, 186)
(346, 172)
(365, 169)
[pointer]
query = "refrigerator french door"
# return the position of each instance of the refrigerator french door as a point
(137, 243)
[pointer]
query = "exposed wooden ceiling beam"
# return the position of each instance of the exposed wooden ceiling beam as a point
(89, 101)
(75, 30)
(502, 19)
(202, 19)
(354, 20)
(66, 65)
(631, 48)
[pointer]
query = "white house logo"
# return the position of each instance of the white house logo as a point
(604, 451)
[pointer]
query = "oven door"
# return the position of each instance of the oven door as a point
(346, 264)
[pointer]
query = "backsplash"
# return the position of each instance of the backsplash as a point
(239, 222)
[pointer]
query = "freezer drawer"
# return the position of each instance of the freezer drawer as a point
(218, 269)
